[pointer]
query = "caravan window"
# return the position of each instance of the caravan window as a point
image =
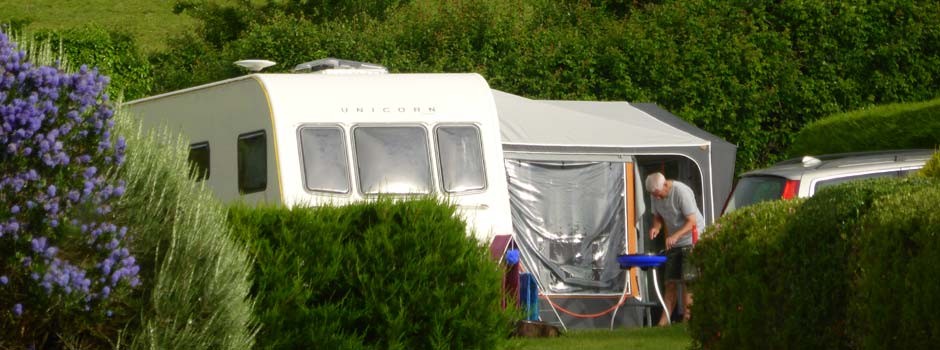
(199, 160)
(323, 151)
(460, 154)
(252, 162)
(393, 160)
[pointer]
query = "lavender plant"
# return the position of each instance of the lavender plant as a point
(197, 276)
(62, 257)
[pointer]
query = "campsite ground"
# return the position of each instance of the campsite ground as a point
(658, 338)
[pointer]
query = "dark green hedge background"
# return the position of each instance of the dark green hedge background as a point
(753, 72)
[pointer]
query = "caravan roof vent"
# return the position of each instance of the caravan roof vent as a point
(254, 65)
(339, 66)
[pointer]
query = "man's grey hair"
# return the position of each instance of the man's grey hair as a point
(655, 182)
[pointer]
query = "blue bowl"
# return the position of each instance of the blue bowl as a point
(640, 260)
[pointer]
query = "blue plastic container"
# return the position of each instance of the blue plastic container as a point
(529, 296)
(640, 260)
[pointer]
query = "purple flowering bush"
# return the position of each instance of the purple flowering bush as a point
(65, 265)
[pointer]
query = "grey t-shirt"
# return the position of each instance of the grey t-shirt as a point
(678, 203)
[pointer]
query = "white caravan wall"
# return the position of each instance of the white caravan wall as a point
(426, 100)
(283, 103)
(218, 114)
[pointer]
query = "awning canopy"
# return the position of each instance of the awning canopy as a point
(594, 130)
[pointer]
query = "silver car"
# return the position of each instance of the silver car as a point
(802, 177)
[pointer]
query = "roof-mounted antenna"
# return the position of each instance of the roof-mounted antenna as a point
(325, 64)
(254, 65)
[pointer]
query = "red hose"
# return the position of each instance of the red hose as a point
(577, 315)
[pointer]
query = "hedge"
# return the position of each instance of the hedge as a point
(932, 168)
(816, 274)
(737, 296)
(378, 275)
(820, 249)
(895, 299)
(893, 126)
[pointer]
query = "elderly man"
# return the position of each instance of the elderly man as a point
(674, 205)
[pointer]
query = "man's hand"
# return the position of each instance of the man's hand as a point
(671, 240)
(654, 231)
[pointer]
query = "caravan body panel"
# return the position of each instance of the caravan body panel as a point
(443, 117)
(217, 114)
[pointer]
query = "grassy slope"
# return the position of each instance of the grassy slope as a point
(150, 21)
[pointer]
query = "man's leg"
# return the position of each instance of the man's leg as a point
(686, 302)
(669, 297)
(673, 275)
(689, 274)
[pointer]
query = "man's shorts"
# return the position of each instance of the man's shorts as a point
(679, 265)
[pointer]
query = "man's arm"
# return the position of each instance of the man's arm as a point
(657, 226)
(686, 229)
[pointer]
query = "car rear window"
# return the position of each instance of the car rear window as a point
(843, 179)
(755, 189)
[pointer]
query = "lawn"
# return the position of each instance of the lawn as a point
(149, 21)
(658, 338)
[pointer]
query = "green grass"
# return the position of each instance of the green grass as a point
(149, 21)
(657, 338)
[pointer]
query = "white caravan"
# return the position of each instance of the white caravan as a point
(341, 136)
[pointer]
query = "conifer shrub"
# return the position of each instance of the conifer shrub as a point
(737, 297)
(378, 275)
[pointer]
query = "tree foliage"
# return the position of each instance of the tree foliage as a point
(753, 73)
(114, 53)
